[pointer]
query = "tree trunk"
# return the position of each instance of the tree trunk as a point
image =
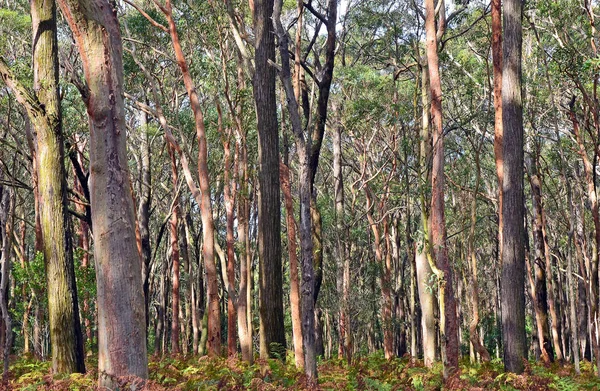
(303, 147)
(448, 316)
(44, 112)
(541, 292)
(552, 302)
(244, 302)
(342, 255)
(386, 293)
(121, 318)
(498, 132)
(7, 208)
(143, 212)
(572, 284)
(592, 285)
(383, 261)
(174, 245)
(272, 331)
(292, 251)
(229, 195)
(513, 249)
(324, 85)
(84, 244)
(201, 195)
(473, 335)
(422, 264)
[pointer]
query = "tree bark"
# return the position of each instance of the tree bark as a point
(303, 147)
(423, 266)
(541, 292)
(43, 109)
(513, 249)
(448, 316)
(244, 302)
(201, 195)
(272, 331)
(7, 209)
(121, 318)
(342, 255)
(284, 173)
(473, 334)
(592, 285)
(174, 246)
(498, 131)
(143, 212)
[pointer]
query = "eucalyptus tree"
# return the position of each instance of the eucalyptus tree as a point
(513, 248)
(448, 316)
(272, 331)
(120, 299)
(43, 108)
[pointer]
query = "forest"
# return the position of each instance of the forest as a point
(299, 194)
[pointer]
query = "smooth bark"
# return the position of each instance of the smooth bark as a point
(448, 316)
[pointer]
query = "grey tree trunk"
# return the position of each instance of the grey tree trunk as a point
(303, 146)
(120, 300)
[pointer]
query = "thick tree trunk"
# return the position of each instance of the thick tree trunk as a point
(44, 112)
(121, 318)
(427, 301)
(448, 316)
(513, 249)
(272, 331)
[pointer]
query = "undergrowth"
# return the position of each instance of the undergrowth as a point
(372, 372)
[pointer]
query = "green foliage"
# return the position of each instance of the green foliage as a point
(371, 372)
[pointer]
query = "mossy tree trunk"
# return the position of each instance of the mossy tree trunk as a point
(43, 109)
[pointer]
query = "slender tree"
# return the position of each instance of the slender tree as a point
(448, 316)
(303, 147)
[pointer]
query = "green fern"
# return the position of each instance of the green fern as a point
(565, 384)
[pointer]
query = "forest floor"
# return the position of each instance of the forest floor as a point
(367, 373)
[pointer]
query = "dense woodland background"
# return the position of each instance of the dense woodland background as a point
(323, 180)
